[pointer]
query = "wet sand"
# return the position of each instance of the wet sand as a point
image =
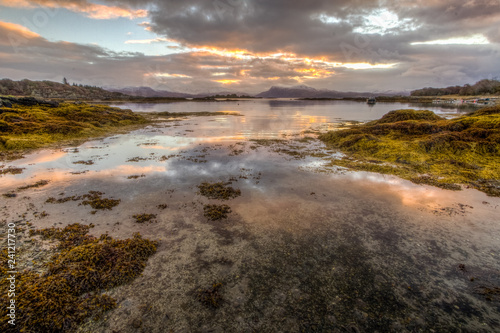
(305, 249)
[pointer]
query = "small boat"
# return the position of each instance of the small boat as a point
(371, 101)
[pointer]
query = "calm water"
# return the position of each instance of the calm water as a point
(275, 116)
(305, 249)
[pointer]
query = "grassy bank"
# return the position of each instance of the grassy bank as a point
(427, 149)
(28, 127)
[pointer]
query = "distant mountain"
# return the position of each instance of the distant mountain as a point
(50, 89)
(149, 92)
(309, 92)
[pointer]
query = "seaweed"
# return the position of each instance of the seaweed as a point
(88, 162)
(96, 201)
(216, 212)
(35, 126)
(11, 170)
(426, 149)
(71, 289)
(136, 176)
(143, 218)
(53, 200)
(211, 297)
(137, 159)
(219, 191)
(490, 293)
(39, 183)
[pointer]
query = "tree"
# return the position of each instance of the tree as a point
(65, 82)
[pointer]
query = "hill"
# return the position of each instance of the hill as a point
(149, 92)
(50, 89)
(309, 92)
(483, 87)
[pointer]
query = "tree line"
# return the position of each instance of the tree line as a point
(483, 87)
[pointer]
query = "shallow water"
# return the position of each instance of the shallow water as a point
(289, 114)
(305, 249)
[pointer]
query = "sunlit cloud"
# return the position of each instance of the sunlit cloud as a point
(327, 19)
(146, 25)
(147, 41)
(471, 40)
(18, 29)
(314, 72)
(384, 22)
(313, 67)
(368, 66)
(168, 75)
(92, 10)
(228, 81)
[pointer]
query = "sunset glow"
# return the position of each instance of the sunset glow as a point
(195, 47)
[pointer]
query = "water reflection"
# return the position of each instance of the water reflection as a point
(411, 235)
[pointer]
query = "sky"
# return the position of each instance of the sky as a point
(248, 46)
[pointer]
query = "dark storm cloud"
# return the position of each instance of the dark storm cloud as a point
(296, 25)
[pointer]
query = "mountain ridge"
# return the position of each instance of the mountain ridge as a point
(55, 90)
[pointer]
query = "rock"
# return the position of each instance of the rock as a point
(29, 101)
(5, 103)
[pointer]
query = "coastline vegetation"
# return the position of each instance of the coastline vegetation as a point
(427, 149)
(29, 127)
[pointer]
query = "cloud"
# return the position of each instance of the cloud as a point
(470, 40)
(17, 29)
(253, 44)
(147, 41)
(319, 27)
(92, 10)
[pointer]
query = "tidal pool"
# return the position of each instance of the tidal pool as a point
(305, 248)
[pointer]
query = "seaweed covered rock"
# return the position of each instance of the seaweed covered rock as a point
(6, 103)
(409, 143)
(70, 290)
(34, 123)
(404, 115)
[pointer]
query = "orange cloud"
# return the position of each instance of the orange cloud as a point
(92, 10)
(314, 72)
(18, 29)
(228, 81)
